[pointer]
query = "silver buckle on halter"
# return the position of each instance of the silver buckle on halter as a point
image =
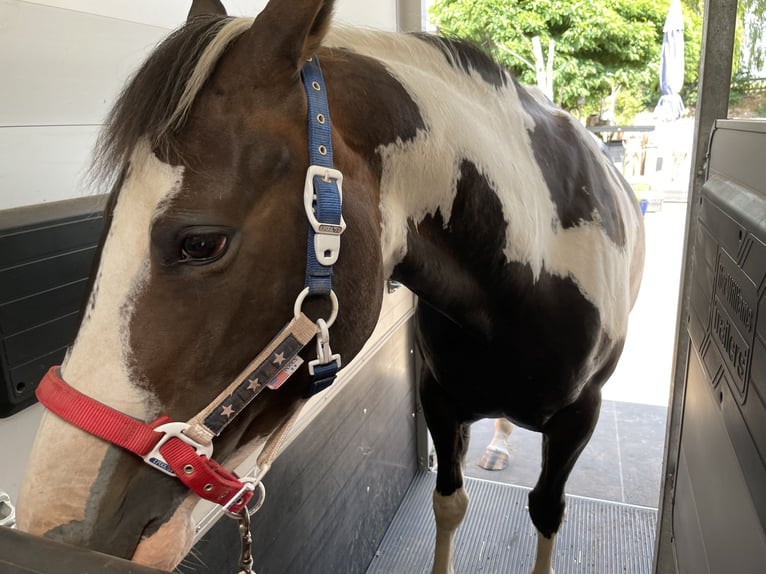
(170, 430)
(326, 235)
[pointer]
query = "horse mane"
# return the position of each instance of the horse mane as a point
(468, 56)
(156, 100)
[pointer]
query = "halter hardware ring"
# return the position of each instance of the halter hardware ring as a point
(333, 299)
(249, 484)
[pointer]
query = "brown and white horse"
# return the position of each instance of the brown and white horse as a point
(521, 241)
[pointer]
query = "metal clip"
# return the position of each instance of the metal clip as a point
(246, 555)
(326, 235)
(173, 430)
(324, 352)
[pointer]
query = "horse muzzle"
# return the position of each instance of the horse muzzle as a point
(81, 491)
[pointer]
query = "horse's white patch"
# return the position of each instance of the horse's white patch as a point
(65, 460)
(544, 556)
(98, 362)
(449, 512)
(466, 118)
(166, 548)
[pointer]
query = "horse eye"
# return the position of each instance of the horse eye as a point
(203, 247)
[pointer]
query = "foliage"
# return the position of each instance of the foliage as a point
(750, 43)
(693, 13)
(603, 48)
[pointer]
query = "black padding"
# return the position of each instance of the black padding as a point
(46, 255)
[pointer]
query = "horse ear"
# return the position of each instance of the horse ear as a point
(201, 7)
(290, 31)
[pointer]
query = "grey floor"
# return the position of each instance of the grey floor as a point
(497, 537)
(622, 462)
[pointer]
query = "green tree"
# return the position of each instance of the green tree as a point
(750, 44)
(603, 48)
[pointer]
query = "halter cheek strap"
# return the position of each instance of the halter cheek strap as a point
(184, 449)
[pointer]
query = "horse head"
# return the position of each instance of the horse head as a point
(203, 257)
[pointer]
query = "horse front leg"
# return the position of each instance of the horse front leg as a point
(450, 500)
(564, 438)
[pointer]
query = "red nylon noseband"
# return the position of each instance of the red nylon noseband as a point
(201, 474)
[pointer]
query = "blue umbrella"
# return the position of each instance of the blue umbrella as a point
(670, 106)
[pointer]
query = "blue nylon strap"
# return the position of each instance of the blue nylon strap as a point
(327, 202)
(324, 376)
(327, 206)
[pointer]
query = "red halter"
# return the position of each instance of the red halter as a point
(160, 442)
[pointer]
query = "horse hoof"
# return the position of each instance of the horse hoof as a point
(494, 458)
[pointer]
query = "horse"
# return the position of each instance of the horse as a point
(267, 177)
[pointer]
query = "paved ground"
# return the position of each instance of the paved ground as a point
(623, 461)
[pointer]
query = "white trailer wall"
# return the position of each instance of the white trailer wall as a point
(62, 64)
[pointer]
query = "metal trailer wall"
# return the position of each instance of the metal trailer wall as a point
(719, 503)
(332, 494)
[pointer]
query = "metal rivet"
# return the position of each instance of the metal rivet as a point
(188, 469)
(320, 118)
(322, 150)
(238, 502)
(316, 85)
(208, 487)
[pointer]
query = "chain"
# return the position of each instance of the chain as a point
(243, 517)
(246, 557)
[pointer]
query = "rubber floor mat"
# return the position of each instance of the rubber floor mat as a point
(497, 536)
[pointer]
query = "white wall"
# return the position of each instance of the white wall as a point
(63, 62)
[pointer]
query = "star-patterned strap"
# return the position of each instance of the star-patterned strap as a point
(269, 369)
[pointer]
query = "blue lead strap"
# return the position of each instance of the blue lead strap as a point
(322, 199)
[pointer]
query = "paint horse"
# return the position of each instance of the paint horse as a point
(268, 176)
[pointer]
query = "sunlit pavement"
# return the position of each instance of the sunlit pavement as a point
(645, 369)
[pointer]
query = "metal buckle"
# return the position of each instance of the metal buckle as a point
(171, 430)
(326, 235)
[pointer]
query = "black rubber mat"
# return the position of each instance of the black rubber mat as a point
(497, 537)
